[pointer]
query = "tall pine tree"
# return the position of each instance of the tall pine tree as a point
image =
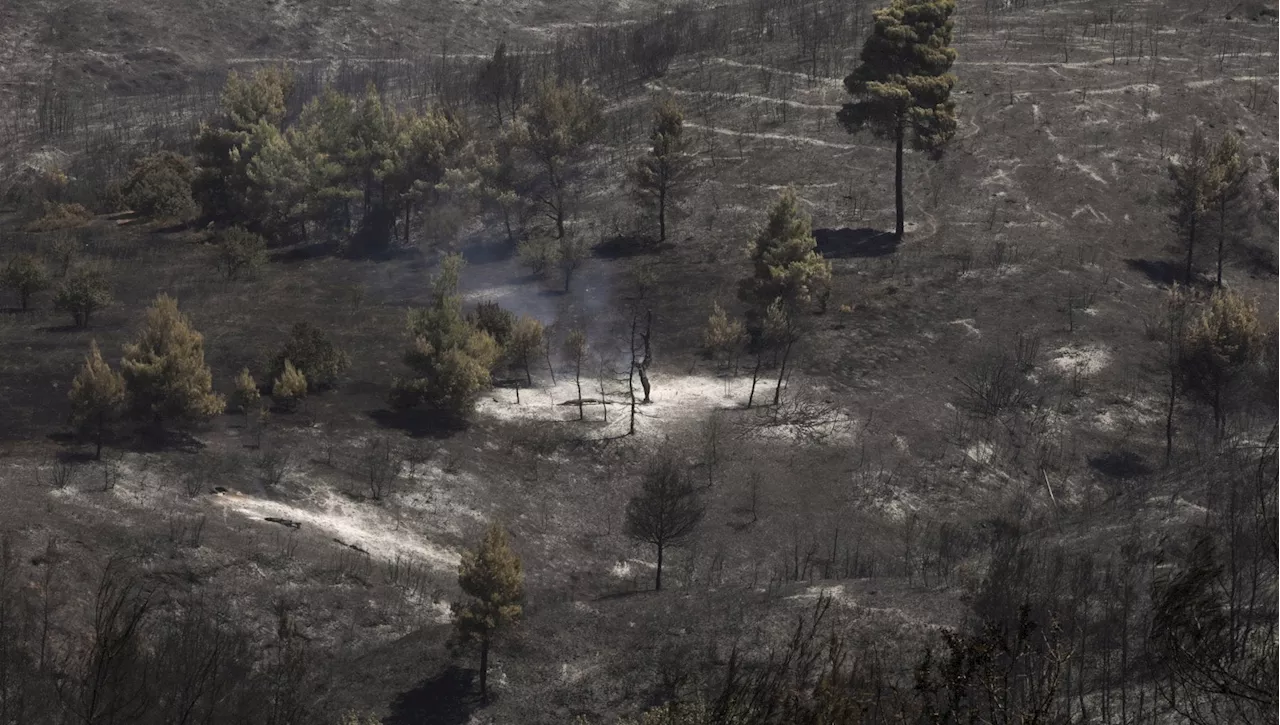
(902, 88)
(660, 172)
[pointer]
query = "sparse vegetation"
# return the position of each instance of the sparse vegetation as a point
(1015, 476)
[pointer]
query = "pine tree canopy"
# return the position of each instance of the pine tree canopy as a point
(904, 79)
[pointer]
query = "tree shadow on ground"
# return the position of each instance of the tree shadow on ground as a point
(446, 699)
(850, 243)
(488, 252)
(419, 423)
(623, 246)
(1160, 271)
(303, 252)
(1122, 465)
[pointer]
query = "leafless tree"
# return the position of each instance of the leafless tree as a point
(665, 511)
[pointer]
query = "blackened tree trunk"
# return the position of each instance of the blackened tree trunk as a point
(657, 583)
(662, 212)
(1191, 246)
(484, 667)
(782, 372)
(102, 423)
(897, 182)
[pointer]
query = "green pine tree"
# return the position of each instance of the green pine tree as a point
(451, 358)
(660, 172)
(785, 259)
(493, 578)
(555, 127)
(164, 370)
(97, 396)
(902, 88)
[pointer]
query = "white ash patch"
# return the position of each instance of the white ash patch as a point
(980, 452)
(1084, 360)
(353, 523)
(673, 398)
(968, 325)
(1003, 270)
(627, 568)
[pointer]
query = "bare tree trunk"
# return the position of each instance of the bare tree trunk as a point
(631, 375)
(648, 358)
(662, 212)
(899, 207)
(1191, 246)
(546, 353)
(484, 667)
(782, 370)
(755, 376)
(577, 379)
(1168, 419)
(1222, 235)
(102, 423)
(657, 585)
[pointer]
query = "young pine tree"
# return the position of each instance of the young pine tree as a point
(525, 344)
(245, 396)
(723, 336)
(493, 579)
(451, 358)
(314, 355)
(1220, 346)
(290, 388)
(1228, 179)
(1191, 174)
(660, 173)
(785, 260)
(665, 511)
(903, 85)
(164, 369)
(97, 396)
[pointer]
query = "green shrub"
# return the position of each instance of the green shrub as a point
(60, 216)
(240, 253)
(159, 187)
(26, 275)
(312, 353)
(83, 293)
(290, 388)
(490, 317)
